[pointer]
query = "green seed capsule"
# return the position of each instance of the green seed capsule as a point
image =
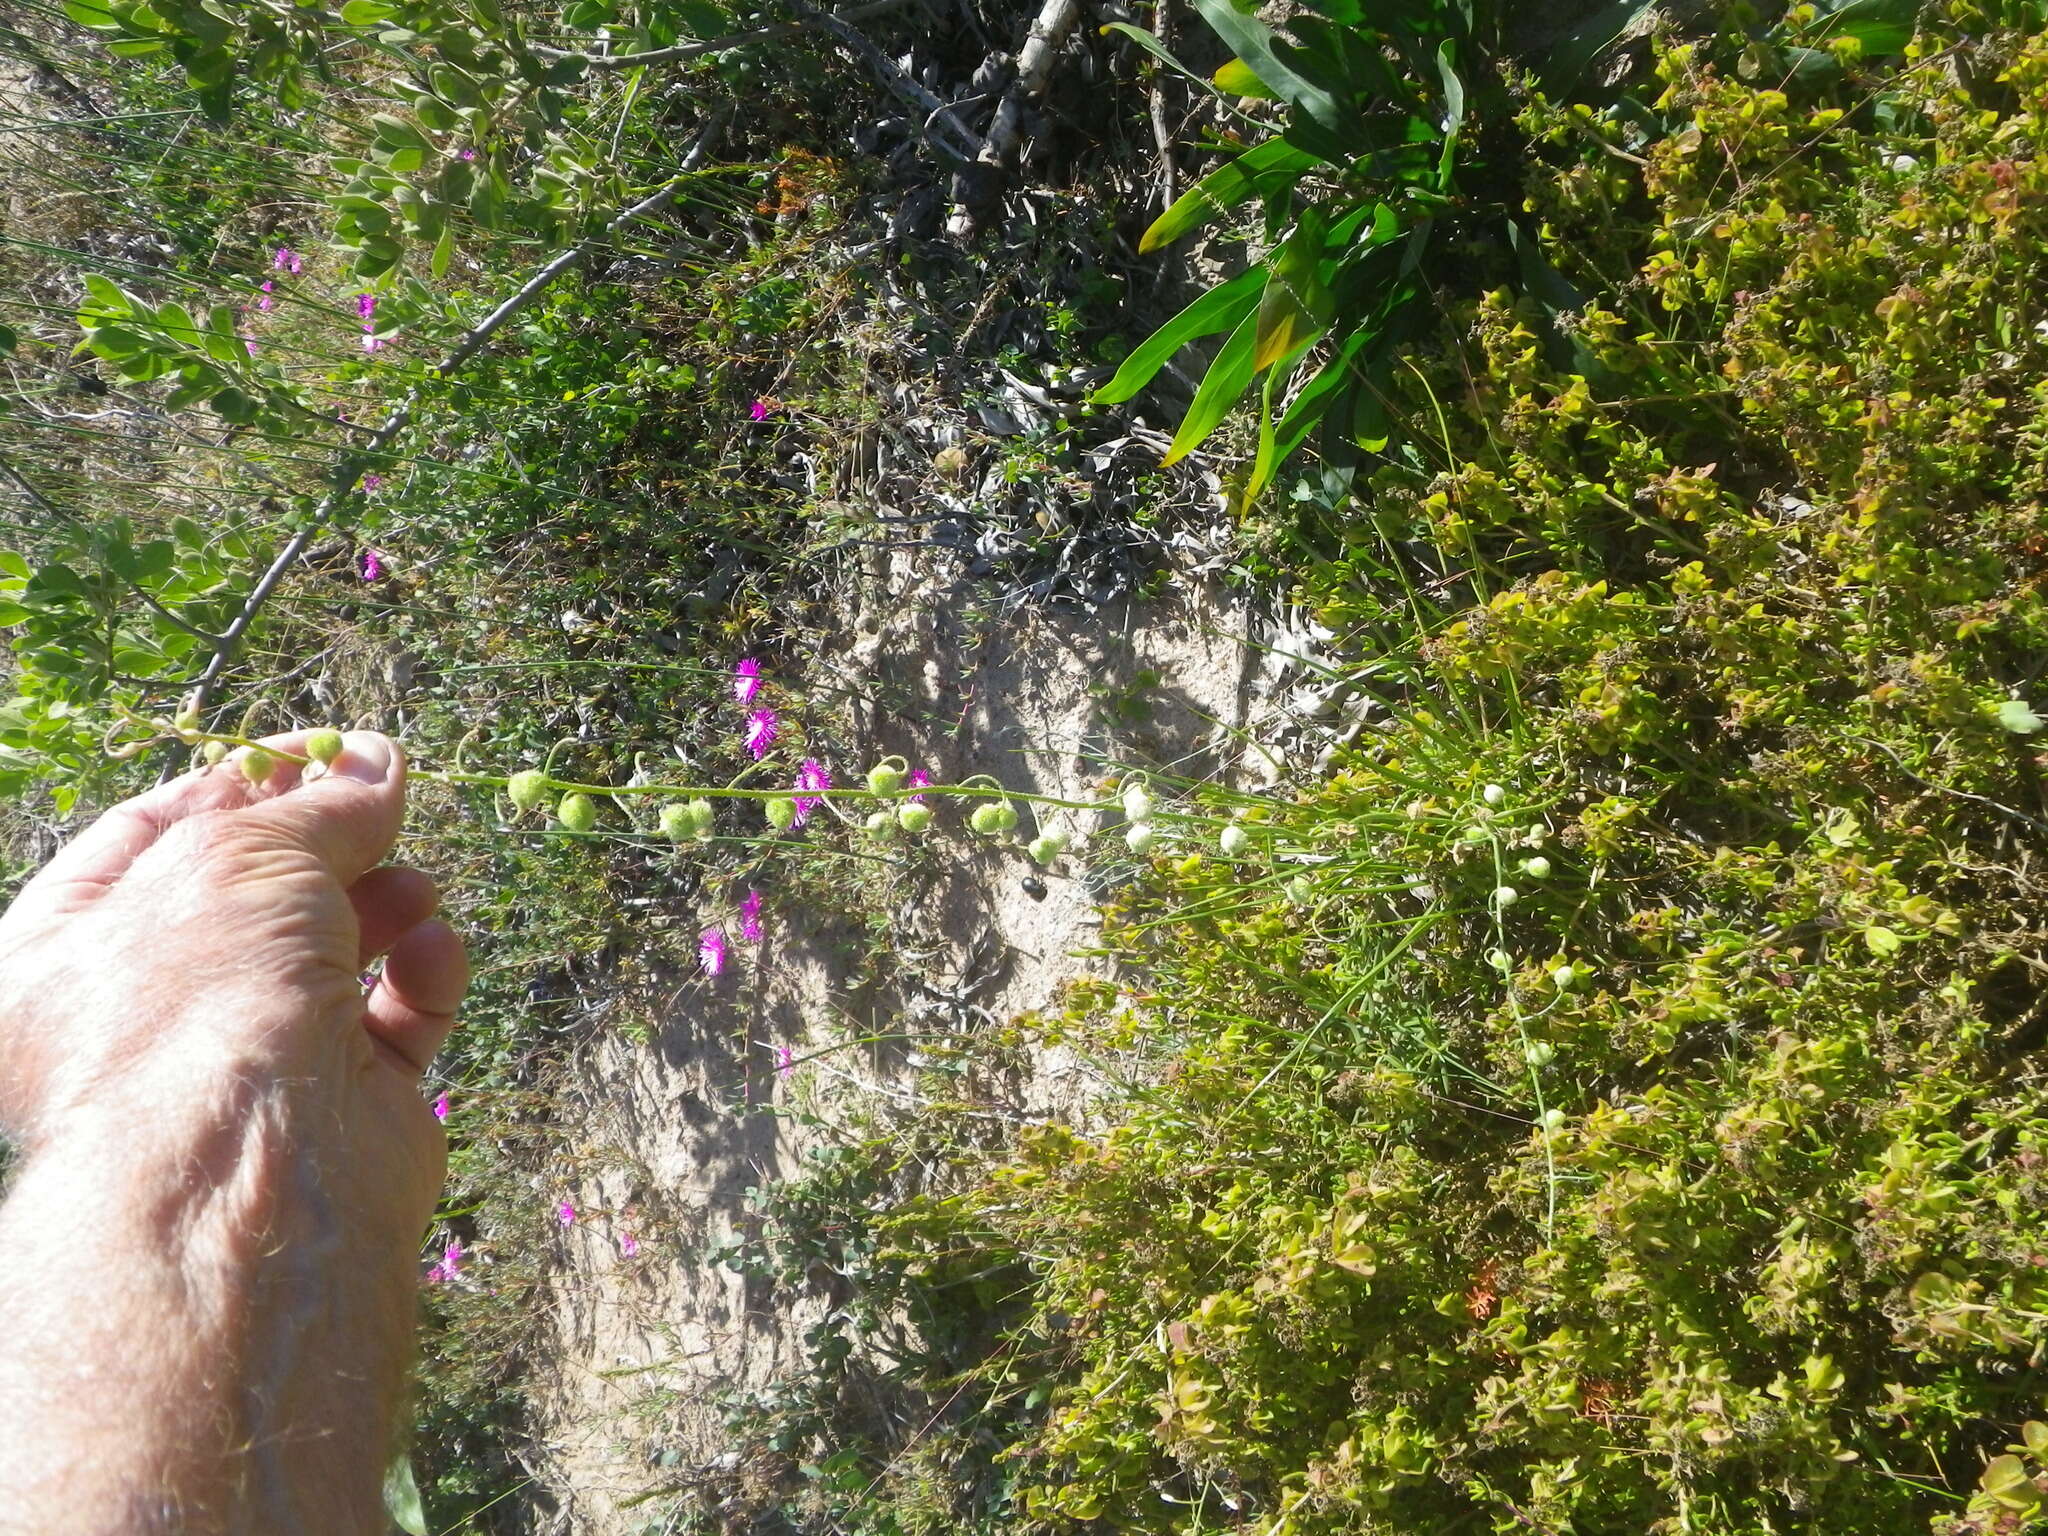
(881, 826)
(1140, 838)
(1234, 841)
(885, 778)
(914, 818)
(1137, 804)
(1006, 817)
(577, 812)
(1537, 868)
(1046, 847)
(324, 745)
(527, 788)
(256, 764)
(781, 812)
(186, 723)
(214, 751)
(987, 820)
(677, 823)
(702, 817)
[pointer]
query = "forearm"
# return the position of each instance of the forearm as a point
(187, 1347)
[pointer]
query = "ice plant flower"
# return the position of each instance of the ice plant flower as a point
(371, 341)
(373, 565)
(919, 779)
(628, 1245)
(469, 154)
(811, 775)
(441, 1108)
(746, 680)
(287, 260)
(750, 918)
(760, 732)
(785, 1060)
(267, 288)
(565, 1213)
(373, 482)
(758, 410)
(366, 305)
(449, 1265)
(711, 951)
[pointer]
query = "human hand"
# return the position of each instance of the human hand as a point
(183, 1033)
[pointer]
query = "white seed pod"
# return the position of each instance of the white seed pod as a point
(677, 824)
(1137, 803)
(1565, 977)
(1493, 794)
(881, 826)
(1538, 1054)
(527, 788)
(1140, 837)
(702, 817)
(914, 818)
(1506, 896)
(1046, 847)
(1553, 1119)
(1234, 841)
(324, 745)
(1537, 868)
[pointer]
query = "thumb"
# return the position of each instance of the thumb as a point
(348, 816)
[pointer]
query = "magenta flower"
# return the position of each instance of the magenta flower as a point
(441, 1108)
(750, 918)
(565, 1213)
(919, 779)
(372, 342)
(469, 154)
(746, 681)
(373, 483)
(266, 301)
(449, 1265)
(249, 342)
(811, 775)
(760, 732)
(366, 306)
(629, 1245)
(373, 565)
(287, 260)
(758, 410)
(785, 1060)
(711, 951)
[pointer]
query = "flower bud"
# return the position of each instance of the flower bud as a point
(1500, 960)
(677, 823)
(914, 818)
(1538, 1054)
(527, 788)
(781, 812)
(1234, 841)
(324, 745)
(1301, 890)
(1506, 896)
(987, 820)
(1537, 868)
(1565, 977)
(702, 817)
(256, 764)
(1046, 847)
(1493, 794)
(1137, 804)
(577, 812)
(881, 826)
(1553, 1119)
(885, 779)
(1140, 837)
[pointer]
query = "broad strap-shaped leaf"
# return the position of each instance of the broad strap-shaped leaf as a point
(1253, 41)
(1279, 443)
(1220, 309)
(1454, 112)
(1295, 306)
(1571, 55)
(1222, 387)
(1258, 170)
(1157, 49)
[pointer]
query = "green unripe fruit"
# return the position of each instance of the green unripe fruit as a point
(527, 788)
(1537, 868)
(677, 823)
(1140, 838)
(256, 764)
(1006, 817)
(885, 778)
(577, 812)
(702, 817)
(987, 820)
(1046, 847)
(186, 723)
(214, 751)
(881, 826)
(914, 818)
(1234, 841)
(1539, 1054)
(1565, 977)
(781, 813)
(324, 745)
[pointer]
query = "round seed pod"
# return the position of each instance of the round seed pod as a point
(1565, 977)
(914, 818)
(1137, 803)
(781, 812)
(677, 823)
(1301, 890)
(186, 723)
(1539, 1054)
(256, 764)
(577, 812)
(987, 820)
(881, 826)
(1537, 868)
(1140, 838)
(1234, 841)
(1046, 847)
(214, 751)
(324, 745)
(1006, 817)
(702, 817)
(527, 788)
(1493, 794)
(885, 778)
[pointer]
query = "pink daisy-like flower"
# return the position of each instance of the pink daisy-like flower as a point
(919, 779)
(711, 951)
(746, 681)
(373, 483)
(785, 1060)
(371, 342)
(267, 288)
(565, 1213)
(373, 565)
(811, 775)
(750, 918)
(449, 1265)
(366, 305)
(287, 260)
(758, 411)
(760, 732)
(629, 1245)
(469, 154)
(441, 1107)
(249, 342)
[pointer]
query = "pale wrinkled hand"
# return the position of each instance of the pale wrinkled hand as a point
(203, 942)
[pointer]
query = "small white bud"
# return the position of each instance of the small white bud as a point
(1234, 841)
(1137, 804)
(1493, 794)
(1553, 1119)
(1506, 896)
(1538, 1054)
(1564, 977)
(1140, 838)
(1500, 960)
(1537, 868)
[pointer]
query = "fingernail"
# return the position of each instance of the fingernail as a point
(365, 757)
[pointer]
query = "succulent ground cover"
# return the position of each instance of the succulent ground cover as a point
(1590, 1083)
